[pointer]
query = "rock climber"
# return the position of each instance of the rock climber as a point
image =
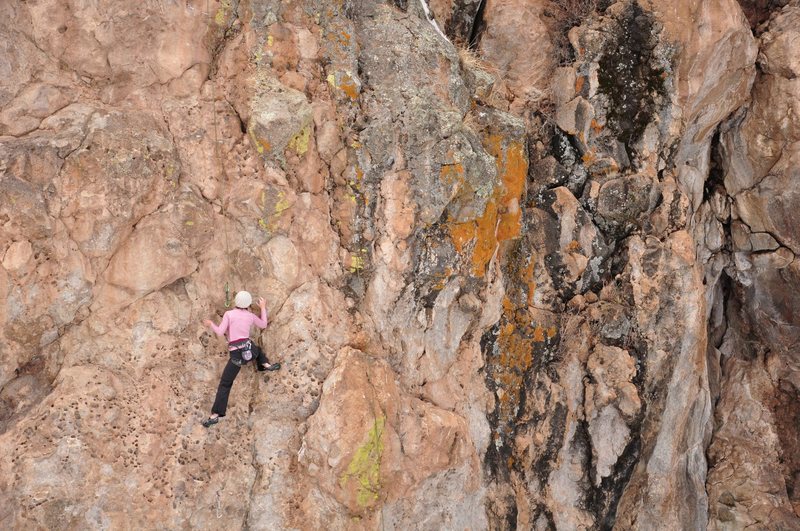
(241, 348)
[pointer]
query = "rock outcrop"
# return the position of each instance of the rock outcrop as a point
(529, 265)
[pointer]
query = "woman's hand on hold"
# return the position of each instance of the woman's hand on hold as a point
(261, 302)
(207, 322)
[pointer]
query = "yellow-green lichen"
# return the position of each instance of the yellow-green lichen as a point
(260, 144)
(356, 263)
(272, 214)
(258, 55)
(299, 142)
(222, 12)
(365, 468)
(282, 204)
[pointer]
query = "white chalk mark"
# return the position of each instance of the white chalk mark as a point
(430, 19)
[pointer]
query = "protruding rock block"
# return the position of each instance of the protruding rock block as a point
(280, 118)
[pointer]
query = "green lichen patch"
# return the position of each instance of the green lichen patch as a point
(222, 13)
(365, 468)
(299, 142)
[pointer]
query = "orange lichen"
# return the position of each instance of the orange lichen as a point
(341, 38)
(262, 144)
(519, 341)
(485, 239)
(529, 280)
(452, 173)
(509, 226)
(441, 282)
(348, 86)
(609, 167)
(579, 81)
(461, 234)
(512, 165)
(596, 126)
(502, 217)
(515, 351)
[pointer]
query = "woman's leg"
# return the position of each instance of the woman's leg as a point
(262, 363)
(261, 359)
(225, 383)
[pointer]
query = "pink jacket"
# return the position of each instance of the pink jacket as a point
(238, 321)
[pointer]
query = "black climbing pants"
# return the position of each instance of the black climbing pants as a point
(226, 382)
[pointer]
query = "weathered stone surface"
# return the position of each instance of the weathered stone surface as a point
(770, 128)
(371, 467)
(17, 256)
(161, 250)
(575, 117)
(108, 52)
(515, 40)
(280, 117)
(622, 201)
(746, 485)
(116, 177)
(457, 18)
(746, 480)
(26, 111)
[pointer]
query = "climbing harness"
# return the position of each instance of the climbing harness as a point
(241, 351)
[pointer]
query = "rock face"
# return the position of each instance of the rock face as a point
(544, 283)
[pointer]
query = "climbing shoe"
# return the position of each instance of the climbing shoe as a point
(273, 367)
(210, 421)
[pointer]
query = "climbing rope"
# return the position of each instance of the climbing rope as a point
(219, 169)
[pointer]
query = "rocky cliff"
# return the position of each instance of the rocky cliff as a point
(530, 264)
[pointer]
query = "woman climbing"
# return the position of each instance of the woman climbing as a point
(237, 324)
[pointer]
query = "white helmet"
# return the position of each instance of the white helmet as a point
(243, 300)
